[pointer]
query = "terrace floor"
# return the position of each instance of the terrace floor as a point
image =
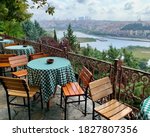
(54, 112)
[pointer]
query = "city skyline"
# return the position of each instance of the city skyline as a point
(115, 10)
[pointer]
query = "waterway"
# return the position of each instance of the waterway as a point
(103, 43)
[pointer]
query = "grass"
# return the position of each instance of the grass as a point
(140, 52)
(81, 39)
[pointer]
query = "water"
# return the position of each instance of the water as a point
(103, 43)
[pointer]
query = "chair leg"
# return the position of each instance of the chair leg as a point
(1, 72)
(93, 114)
(41, 99)
(65, 115)
(61, 99)
(24, 101)
(85, 104)
(29, 109)
(79, 100)
(8, 106)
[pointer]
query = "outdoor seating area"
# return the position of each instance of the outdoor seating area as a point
(53, 72)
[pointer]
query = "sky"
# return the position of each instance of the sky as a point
(115, 10)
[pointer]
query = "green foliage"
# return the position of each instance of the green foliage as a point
(55, 35)
(75, 46)
(17, 9)
(42, 3)
(89, 51)
(14, 10)
(33, 31)
(12, 28)
(112, 54)
(129, 59)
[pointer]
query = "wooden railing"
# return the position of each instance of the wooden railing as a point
(130, 85)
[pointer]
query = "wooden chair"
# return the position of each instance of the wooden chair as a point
(77, 89)
(14, 88)
(37, 55)
(113, 109)
(4, 62)
(18, 61)
(11, 44)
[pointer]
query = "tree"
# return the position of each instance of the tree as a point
(55, 35)
(75, 46)
(32, 30)
(17, 9)
(129, 59)
(38, 29)
(42, 3)
(13, 28)
(14, 10)
(112, 54)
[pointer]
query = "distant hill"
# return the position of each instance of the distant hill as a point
(136, 26)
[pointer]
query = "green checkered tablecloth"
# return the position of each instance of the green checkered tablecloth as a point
(145, 110)
(48, 76)
(19, 50)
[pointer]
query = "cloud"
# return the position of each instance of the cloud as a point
(128, 6)
(147, 10)
(81, 1)
(97, 9)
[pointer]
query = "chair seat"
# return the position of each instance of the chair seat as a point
(20, 73)
(33, 91)
(113, 110)
(72, 89)
(3, 65)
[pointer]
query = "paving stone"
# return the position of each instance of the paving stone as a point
(55, 112)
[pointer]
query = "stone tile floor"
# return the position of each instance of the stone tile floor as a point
(55, 112)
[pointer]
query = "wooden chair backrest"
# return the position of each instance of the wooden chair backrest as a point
(38, 55)
(11, 44)
(14, 84)
(17, 61)
(4, 57)
(100, 88)
(85, 76)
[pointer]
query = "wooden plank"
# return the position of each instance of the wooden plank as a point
(71, 90)
(20, 73)
(65, 90)
(114, 111)
(11, 44)
(81, 92)
(86, 76)
(100, 88)
(99, 82)
(110, 107)
(105, 105)
(4, 57)
(20, 93)
(18, 61)
(100, 95)
(121, 114)
(3, 65)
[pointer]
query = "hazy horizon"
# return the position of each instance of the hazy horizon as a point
(114, 10)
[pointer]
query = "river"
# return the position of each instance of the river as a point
(103, 43)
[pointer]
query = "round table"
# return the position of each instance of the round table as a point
(145, 109)
(19, 50)
(4, 41)
(48, 76)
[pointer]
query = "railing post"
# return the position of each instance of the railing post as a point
(114, 77)
(117, 76)
(65, 52)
